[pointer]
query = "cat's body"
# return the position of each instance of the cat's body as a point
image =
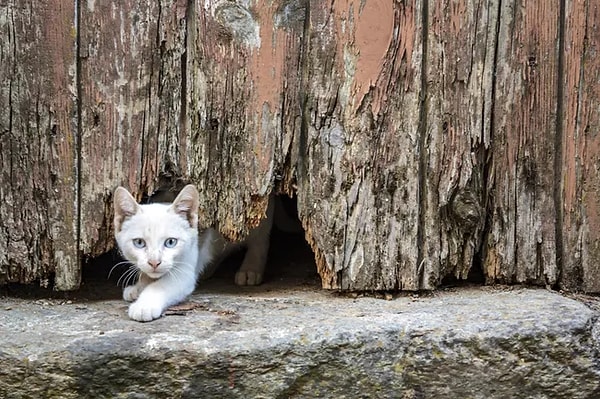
(162, 242)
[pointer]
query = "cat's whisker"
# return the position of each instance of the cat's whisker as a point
(126, 273)
(185, 266)
(125, 262)
(175, 272)
(134, 277)
(178, 263)
(122, 276)
(180, 271)
(131, 276)
(129, 273)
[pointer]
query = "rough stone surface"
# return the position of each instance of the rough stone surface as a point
(306, 343)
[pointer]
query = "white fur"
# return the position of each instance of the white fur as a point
(175, 271)
(175, 276)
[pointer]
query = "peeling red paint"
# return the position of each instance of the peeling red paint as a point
(374, 30)
(267, 61)
(364, 31)
(266, 66)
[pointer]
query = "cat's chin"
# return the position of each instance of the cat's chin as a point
(154, 276)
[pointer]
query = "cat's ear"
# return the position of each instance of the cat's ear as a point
(186, 204)
(124, 205)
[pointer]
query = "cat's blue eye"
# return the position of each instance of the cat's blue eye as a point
(139, 243)
(170, 242)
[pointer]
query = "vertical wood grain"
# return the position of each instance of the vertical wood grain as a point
(38, 144)
(581, 155)
(521, 243)
(461, 57)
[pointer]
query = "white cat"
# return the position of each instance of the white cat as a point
(162, 242)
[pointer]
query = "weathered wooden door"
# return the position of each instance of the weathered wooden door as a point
(421, 138)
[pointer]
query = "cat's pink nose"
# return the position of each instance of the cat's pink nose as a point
(154, 263)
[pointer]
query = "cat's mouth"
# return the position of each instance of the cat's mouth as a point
(155, 275)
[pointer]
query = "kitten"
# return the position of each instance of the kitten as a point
(162, 242)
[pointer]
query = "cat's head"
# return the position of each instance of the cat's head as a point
(156, 237)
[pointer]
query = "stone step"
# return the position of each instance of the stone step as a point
(481, 342)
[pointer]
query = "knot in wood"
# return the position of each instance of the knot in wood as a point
(466, 209)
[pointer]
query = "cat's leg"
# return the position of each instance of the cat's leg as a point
(160, 294)
(253, 267)
(132, 292)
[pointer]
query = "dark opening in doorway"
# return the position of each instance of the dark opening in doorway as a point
(290, 262)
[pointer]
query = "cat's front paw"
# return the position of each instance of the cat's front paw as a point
(145, 310)
(131, 293)
(248, 277)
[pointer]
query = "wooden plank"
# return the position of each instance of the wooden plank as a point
(521, 242)
(131, 68)
(38, 144)
(359, 143)
(242, 79)
(460, 67)
(581, 140)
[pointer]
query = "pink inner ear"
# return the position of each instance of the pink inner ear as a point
(186, 204)
(184, 208)
(126, 206)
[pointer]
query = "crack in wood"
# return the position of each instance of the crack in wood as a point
(422, 147)
(558, 146)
